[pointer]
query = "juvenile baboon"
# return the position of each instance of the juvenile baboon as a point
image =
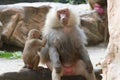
(65, 52)
(103, 3)
(33, 45)
(99, 5)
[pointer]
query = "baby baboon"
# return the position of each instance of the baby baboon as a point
(32, 47)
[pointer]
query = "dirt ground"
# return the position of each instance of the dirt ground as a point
(97, 54)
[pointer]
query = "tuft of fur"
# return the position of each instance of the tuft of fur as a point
(53, 22)
(83, 36)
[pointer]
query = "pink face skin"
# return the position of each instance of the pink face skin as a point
(63, 16)
(99, 9)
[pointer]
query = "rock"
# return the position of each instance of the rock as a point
(41, 74)
(17, 19)
(90, 23)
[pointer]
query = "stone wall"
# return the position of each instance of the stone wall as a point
(17, 19)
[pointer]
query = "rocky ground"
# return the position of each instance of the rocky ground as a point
(97, 53)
